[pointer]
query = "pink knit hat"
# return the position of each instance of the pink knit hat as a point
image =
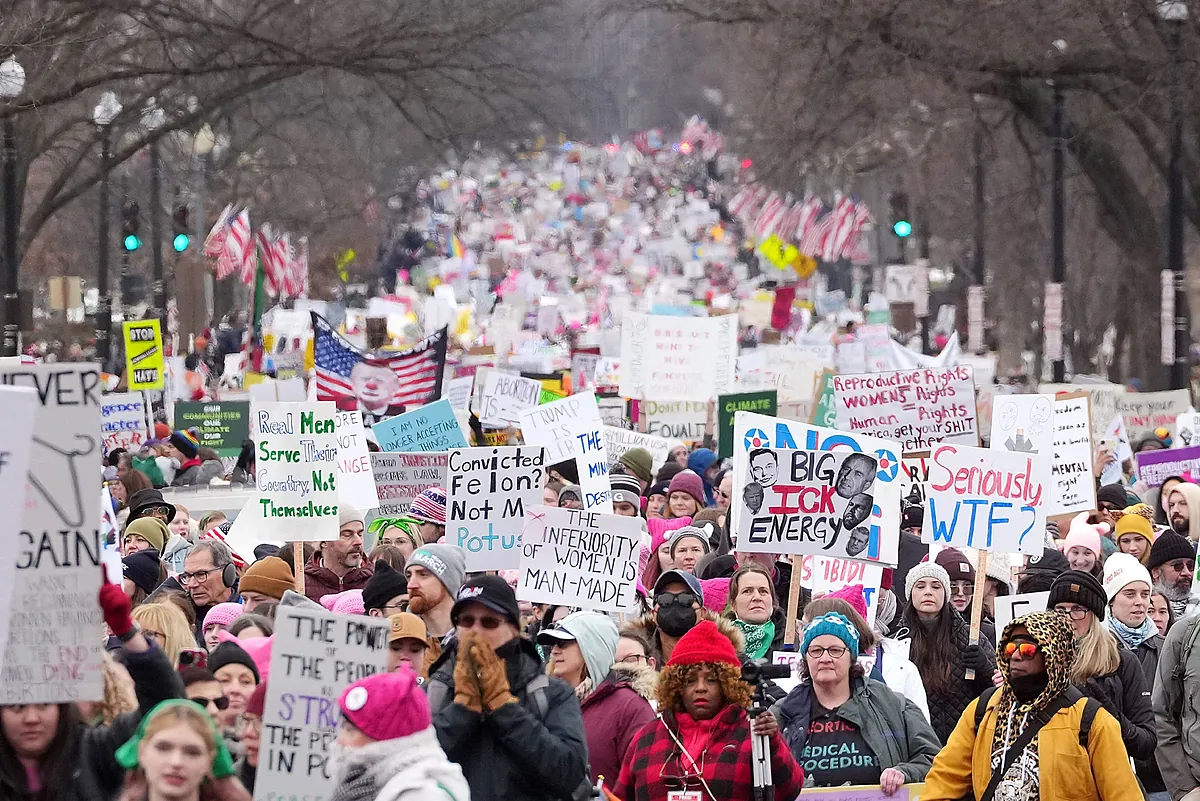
(689, 482)
(853, 595)
(386, 706)
(716, 593)
(1083, 534)
(259, 649)
(222, 615)
(349, 602)
(661, 528)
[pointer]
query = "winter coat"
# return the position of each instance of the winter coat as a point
(727, 762)
(412, 768)
(96, 774)
(1147, 656)
(612, 715)
(891, 724)
(320, 581)
(899, 673)
(1066, 770)
(198, 474)
(1125, 693)
(1177, 709)
(945, 713)
(513, 753)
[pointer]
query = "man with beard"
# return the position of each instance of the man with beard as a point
(435, 574)
(1172, 564)
(338, 565)
(1183, 510)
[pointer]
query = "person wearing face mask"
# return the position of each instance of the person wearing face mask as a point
(1035, 736)
(678, 605)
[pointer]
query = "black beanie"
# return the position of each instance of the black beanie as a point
(1169, 546)
(228, 653)
(1081, 588)
(1114, 494)
(383, 586)
(141, 567)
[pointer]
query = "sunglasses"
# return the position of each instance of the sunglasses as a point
(487, 621)
(681, 598)
(1027, 650)
(221, 703)
(1180, 565)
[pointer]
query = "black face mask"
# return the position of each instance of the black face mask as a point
(676, 620)
(1026, 688)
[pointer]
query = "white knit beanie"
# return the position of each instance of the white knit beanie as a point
(927, 570)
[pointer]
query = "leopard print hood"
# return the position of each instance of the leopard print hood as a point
(1052, 631)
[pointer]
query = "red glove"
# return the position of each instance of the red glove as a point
(117, 609)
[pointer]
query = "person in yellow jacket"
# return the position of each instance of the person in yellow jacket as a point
(1030, 730)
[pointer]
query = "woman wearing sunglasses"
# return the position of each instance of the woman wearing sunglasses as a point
(1103, 669)
(845, 728)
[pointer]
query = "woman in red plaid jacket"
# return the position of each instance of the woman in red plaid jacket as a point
(700, 742)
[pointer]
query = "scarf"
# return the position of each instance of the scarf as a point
(696, 736)
(759, 637)
(1130, 636)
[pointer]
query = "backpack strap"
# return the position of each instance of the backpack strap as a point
(1085, 723)
(981, 706)
(536, 690)
(436, 692)
(1189, 642)
(1065, 699)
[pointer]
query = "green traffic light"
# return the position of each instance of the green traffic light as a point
(132, 243)
(181, 242)
(902, 228)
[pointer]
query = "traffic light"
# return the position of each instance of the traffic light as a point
(901, 223)
(182, 237)
(131, 223)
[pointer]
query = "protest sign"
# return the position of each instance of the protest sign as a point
(432, 427)
(1023, 423)
(583, 368)
(677, 358)
(1072, 488)
(288, 365)
(613, 411)
(123, 421)
(1010, 607)
(608, 374)
(19, 409)
(792, 370)
(681, 420)
(579, 558)
(458, 392)
(985, 498)
(908, 792)
(296, 470)
(620, 440)
(1145, 411)
(1153, 467)
(824, 412)
(505, 396)
(1187, 430)
(55, 653)
(316, 655)
(487, 493)
(727, 405)
(400, 477)
(1117, 440)
(550, 425)
(143, 355)
(356, 481)
(824, 575)
(914, 407)
(591, 459)
(222, 426)
(914, 472)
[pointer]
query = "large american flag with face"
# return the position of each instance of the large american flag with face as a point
(419, 368)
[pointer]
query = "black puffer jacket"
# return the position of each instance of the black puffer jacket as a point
(946, 708)
(514, 753)
(96, 774)
(1126, 694)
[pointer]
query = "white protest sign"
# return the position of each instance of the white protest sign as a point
(1072, 488)
(613, 411)
(591, 458)
(488, 491)
(505, 396)
(356, 482)
(914, 472)
(401, 477)
(1023, 423)
(579, 558)
(296, 469)
(1187, 430)
(583, 369)
(754, 431)
(458, 392)
(19, 410)
(985, 498)
(1010, 607)
(1118, 439)
(123, 421)
(914, 407)
(619, 441)
(824, 575)
(550, 425)
(315, 657)
(55, 645)
(678, 358)
(678, 420)
(1146, 411)
(791, 370)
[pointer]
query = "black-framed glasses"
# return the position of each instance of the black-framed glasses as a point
(1073, 612)
(634, 659)
(835, 651)
(200, 575)
(681, 598)
(221, 703)
(1180, 565)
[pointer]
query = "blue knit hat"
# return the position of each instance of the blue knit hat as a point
(837, 625)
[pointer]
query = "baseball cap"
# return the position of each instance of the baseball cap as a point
(406, 625)
(678, 575)
(554, 635)
(491, 591)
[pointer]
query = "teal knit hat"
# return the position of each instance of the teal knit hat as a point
(837, 625)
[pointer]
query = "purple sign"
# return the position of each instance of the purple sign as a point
(1154, 467)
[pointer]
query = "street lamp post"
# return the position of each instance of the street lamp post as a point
(1175, 14)
(12, 83)
(103, 115)
(1058, 262)
(152, 119)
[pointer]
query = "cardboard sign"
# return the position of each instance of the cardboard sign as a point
(356, 481)
(1146, 411)
(680, 420)
(985, 498)
(727, 405)
(579, 558)
(1072, 488)
(401, 477)
(678, 358)
(222, 426)
(505, 396)
(618, 441)
(1154, 467)
(19, 409)
(914, 407)
(296, 469)
(143, 355)
(550, 425)
(123, 421)
(1010, 607)
(487, 493)
(315, 656)
(55, 652)
(432, 427)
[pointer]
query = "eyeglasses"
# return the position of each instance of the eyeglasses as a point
(723, 494)
(1105, 506)
(221, 703)
(633, 659)
(1073, 612)
(1027, 650)
(157, 636)
(816, 651)
(962, 588)
(200, 576)
(399, 606)
(487, 621)
(681, 598)
(1180, 565)
(246, 722)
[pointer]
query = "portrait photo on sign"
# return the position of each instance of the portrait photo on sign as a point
(809, 502)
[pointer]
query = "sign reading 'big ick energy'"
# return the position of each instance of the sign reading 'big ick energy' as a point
(143, 355)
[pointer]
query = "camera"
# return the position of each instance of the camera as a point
(755, 671)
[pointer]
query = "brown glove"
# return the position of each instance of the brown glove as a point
(466, 685)
(493, 677)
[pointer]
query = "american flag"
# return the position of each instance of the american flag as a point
(214, 243)
(813, 241)
(419, 368)
(239, 249)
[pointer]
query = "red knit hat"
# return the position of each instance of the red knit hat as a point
(704, 644)
(689, 482)
(386, 706)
